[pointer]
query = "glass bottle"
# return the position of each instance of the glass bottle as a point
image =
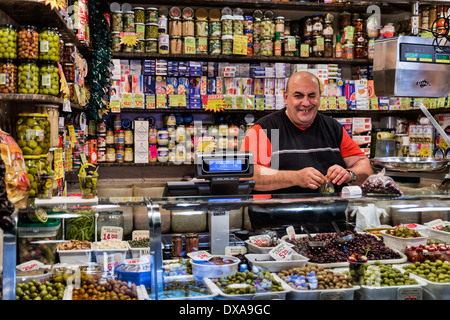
(109, 219)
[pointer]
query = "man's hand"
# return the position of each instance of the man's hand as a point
(310, 178)
(338, 175)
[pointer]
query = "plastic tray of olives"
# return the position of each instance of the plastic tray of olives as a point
(184, 288)
(75, 256)
(409, 163)
(267, 262)
(237, 287)
(400, 244)
(434, 289)
(254, 248)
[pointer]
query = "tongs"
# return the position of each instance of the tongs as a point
(315, 245)
(342, 239)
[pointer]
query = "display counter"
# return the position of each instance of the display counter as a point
(293, 247)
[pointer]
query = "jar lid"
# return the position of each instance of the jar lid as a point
(110, 212)
(175, 12)
(201, 14)
(163, 11)
(280, 17)
(238, 12)
(116, 32)
(257, 14)
(138, 8)
(226, 17)
(140, 23)
(187, 13)
(227, 11)
(151, 39)
(152, 8)
(117, 11)
(151, 24)
(214, 14)
(268, 14)
(120, 131)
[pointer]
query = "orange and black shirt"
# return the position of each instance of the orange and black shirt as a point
(279, 144)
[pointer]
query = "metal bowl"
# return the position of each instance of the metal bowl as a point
(409, 163)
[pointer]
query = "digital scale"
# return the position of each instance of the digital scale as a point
(220, 175)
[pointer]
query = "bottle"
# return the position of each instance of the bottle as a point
(338, 52)
(277, 45)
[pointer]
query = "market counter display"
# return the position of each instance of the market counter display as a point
(380, 262)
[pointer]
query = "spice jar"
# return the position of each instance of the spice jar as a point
(227, 44)
(328, 48)
(317, 27)
(8, 41)
(215, 46)
(139, 15)
(191, 242)
(117, 23)
(227, 25)
(175, 27)
(28, 77)
(8, 76)
(151, 15)
(49, 78)
(188, 27)
(176, 45)
(308, 27)
(28, 43)
(128, 21)
(177, 245)
(151, 45)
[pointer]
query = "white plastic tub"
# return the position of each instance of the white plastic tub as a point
(267, 262)
(328, 294)
(173, 295)
(103, 256)
(438, 234)
(434, 290)
(206, 269)
(75, 256)
(400, 244)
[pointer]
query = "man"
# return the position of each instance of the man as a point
(297, 150)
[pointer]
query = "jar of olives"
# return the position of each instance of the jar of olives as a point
(8, 76)
(28, 73)
(33, 133)
(128, 21)
(49, 44)
(139, 15)
(116, 45)
(151, 15)
(117, 23)
(49, 79)
(151, 30)
(32, 167)
(227, 44)
(238, 25)
(151, 45)
(28, 43)
(201, 28)
(227, 25)
(266, 28)
(8, 41)
(266, 47)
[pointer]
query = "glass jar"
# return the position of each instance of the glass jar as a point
(152, 136)
(28, 43)
(257, 28)
(227, 25)
(129, 137)
(215, 29)
(359, 25)
(129, 154)
(349, 50)
(110, 153)
(176, 45)
(151, 15)
(373, 29)
(69, 72)
(119, 138)
(151, 45)
(266, 28)
(360, 38)
(109, 219)
(128, 21)
(101, 155)
(328, 31)
(256, 47)
(117, 23)
(317, 27)
(328, 48)
(318, 46)
(360, 52)
(371, 49)
(163, 24)
(163, 137)
(120, 154)
(33, 133)
(28, 77)
(345, 19)
(8, 76)
(127, 48)
(308, 27)
(163, 154)
(177, 245)
(139, 15)
(109, 137)
(227, 44)
(287, 49)
(49, 44)
(139, 47)
(215, 46)
(49, 78)
(163, 43)
(238, 25)
(188, 28)
(71, 86)
(70, 52)
(266, 47)
(191, 242)
(117, 122)
(8, 41)
(101, 140)
(279, 25)
(116, 45)
(175, 27)
(201, 28)
(151, 30)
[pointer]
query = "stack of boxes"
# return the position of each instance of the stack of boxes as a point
(359, 129)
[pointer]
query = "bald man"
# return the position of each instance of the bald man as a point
(297, 149)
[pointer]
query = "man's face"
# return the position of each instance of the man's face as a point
(302, 100)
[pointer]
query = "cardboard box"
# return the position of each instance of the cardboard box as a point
(362, 141)
(141, 146)
(361, 126)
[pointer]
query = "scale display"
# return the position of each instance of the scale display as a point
(422, 53)
(225, 165)
(236, 164)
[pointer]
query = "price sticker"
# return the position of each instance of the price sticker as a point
(320, 41)
(110, 261)
(433, 103)
(304, 50)
(200, 255)
(260, 103)
(189, 45)
(140, 31)
(140, 234)
(115, 105)
(30, 265)
(348, 33)
(228, 102)
(161, 100)
(202, 45)
(290, 232)
(240, 45)
(281, 252)
(2, 78)
(235, 250)
(138, 101)
(260, 240)
(291, 44)
(43, 46)
(127, 100)
(177, 100)
(342, 102)
(374, 103)
(58, 163)
(150, 102)
(111, 233)
(66, 105)
(332, 103)
(239, 102)
(83, 158)
(441, 103)
(215, 103)
(409, 294)
(323, 103)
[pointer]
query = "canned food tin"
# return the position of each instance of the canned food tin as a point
(163, 43)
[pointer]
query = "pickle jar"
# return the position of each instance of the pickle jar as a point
(328, 48)
(227, 25)
(49, 44)
(116, 45)
(201, 28)
(128, 21)
(328, 31)
(266, 47)
(215, 46)
(69, 71)
(8, 76)
(33, 133)
(139, 47)
(49, 78)
(151, 15)
(317, 27)
(151, 31)
(188, 27)
(28, 77)
(28, 43)
(151, 45)
(308, 27)
(70, 52)
(117, 23)
(215, 29)
(238, 25)
(139, 15)
(8, 41)
(279, 25)
(318, 46)
(227, 44)
(266, 28)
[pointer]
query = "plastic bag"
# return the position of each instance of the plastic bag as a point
(368, 216)
(16, 178)
(380, 183)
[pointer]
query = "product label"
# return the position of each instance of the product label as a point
(281, 252)
(2, 78)
(46, 80)
(43, 46)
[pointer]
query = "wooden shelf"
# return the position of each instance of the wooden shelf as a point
(238, 58)
(35, 99)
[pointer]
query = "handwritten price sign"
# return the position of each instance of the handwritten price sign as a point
(281, 252)
(200, 255)
(261, 240)
(111, 233)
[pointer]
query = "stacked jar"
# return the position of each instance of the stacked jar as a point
(214, 32)
(346, 30)
(8, 66)
(128, 28)
(267, 34)
(373, 32)
(151, 38)
(188, 43)
(227, 31)
(119, 138)
(28, 54)
(248, 31)
(116, 31)
(49, 50)
(174, 40)
(360, 39)
(201, 31)
(257, 17)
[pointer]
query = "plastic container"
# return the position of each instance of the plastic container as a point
(253, 248)
(75, 256)
(209, 269)
(327, 294)
(185, 288)
(401, 243)
(49, 79)
(438, 234)
(49, 45)
(44, 186)
(267, 262)
(135, 273)
(28, 43)
(103, 256)
(434, 290)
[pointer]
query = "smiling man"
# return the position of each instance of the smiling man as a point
(297, 149)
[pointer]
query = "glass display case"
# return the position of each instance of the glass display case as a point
(297, 246)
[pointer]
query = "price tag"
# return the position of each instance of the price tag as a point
(332, 103)
(441, 103)
(304, 50)
(200, 255)
(290, 232)
(342, 102)
(143, 259)
(140, 234)
(111, 233)
(202, 45)
(129, 39)
(239, 102)
(260, 240)
(2, 78)
(30, 265)
(374, 103)
(150, 102)
(215, 103)
(66, 105)
(43, 46)
(177, 100)
(115, 104)
(111, 260)
(235, 250)
(127, 100)
(72, 135)
(260, 103)
(138, 101)
(433, 103)
(161, 101)
(240, 44)
(291, 44)
(281, 252)
(320, 41)
(323, 103)
(348, 33)
(189, 45)
(228, 102)
(83, 158)
(58, 163)
(62, 79)
(140, 31)
(409, 294)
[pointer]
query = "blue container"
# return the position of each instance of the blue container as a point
(135, 273)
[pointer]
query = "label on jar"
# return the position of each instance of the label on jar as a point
(163, 43)
(101, 155)
(43, 46)
(46, 80)
(2, 78)
(162, 24)
(37, 135)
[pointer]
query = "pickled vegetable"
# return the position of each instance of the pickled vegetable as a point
(33, 133)
(35, 290)
(227, 25)
(8, 77)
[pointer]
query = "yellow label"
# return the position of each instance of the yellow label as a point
(304, 50)
(58, 163)
(291, 44)
(202, 45)
(441, 103)
(150, 102)
(259, 103)
(189, 45)
(240, 45)
(129, 39)
(320, 43)
(138, 100)
(177, 100)
(161, 101)
(374, 103)
(127, 100)
(115, 105)
(140, 31)
(215, 104)
(342, 101)
(332, 103)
